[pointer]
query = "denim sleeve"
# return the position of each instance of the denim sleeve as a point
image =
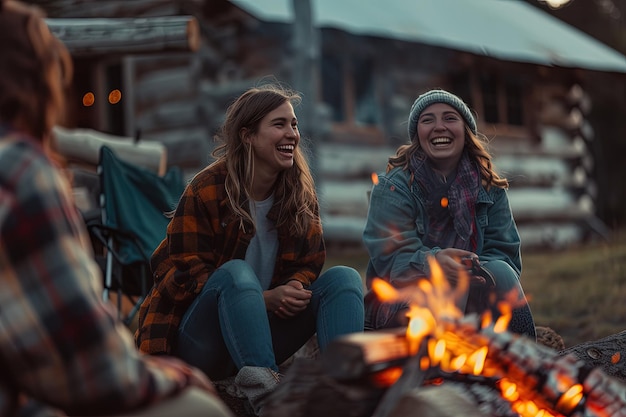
(394, 230)
(501, 240)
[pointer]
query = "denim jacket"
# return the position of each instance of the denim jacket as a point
(397, 223)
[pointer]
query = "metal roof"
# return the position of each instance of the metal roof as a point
(510, 30)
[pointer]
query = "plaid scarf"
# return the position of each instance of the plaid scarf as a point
(450, 226)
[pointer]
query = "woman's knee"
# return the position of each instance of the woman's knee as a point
(506, 277)
(343, 277)
(236, 273)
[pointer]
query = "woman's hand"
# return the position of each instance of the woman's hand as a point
(287, 300)
(450, 261)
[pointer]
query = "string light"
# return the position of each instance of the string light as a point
(555, 4)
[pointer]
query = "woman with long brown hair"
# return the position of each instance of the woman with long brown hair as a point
(441, 199)
(62, 349)
(238, 286)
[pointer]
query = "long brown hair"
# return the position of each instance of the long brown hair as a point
(475, 144)
(35, 70)
(294, 189)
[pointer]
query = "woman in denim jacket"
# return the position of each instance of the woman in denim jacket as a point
(441, 198)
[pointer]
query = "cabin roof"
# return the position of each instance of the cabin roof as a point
(510, 30)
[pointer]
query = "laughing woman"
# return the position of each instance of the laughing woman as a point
(441, 199)
(237, 283)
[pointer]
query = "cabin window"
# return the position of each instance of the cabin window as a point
(366, 109)
(348, 88)
(514, 103)
(489, 90)
(332, 86)
(497, 99)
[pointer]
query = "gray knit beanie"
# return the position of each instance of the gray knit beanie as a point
(439, 96)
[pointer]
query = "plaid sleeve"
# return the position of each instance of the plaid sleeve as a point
(61, 343)
(302, 259)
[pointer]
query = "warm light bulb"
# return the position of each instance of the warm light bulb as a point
(555, 4)
(89, 99)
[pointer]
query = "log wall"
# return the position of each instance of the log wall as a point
(178, 99)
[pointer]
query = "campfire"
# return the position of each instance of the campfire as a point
(441, 346)
(444, 352)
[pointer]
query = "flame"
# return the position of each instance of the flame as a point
(503, 321)
(615, 358)
(387, 376)
(435, 319)
(570, 399)
(384, 290)
(478, 359)
(509, 390)
(374, 178)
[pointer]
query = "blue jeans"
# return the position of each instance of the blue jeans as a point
(227, 325)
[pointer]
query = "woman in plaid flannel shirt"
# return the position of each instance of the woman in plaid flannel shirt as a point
(62, 350)
(237, 283)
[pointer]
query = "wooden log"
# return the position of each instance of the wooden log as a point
(435, 401)
(83, 146)
(308, 391)
(92, 36)
(187, 147)
(168, 115)
(608, 353)
(111, 8)
(355, 356)
(164, 85)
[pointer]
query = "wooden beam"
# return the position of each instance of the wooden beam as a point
(83, 146)
(93, 36)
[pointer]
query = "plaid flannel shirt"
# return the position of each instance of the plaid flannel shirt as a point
(62, 350)
(204, 234)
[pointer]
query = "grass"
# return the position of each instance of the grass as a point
(579, 292)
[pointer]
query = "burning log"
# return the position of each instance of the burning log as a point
(494, 372)
(436, 401)
(608, 353)
(308, 391)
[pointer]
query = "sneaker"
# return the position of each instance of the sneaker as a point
(255, 383)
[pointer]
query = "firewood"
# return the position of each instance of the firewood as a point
(549, 337)
(608, 353)
(356, 355)
(308, 391)
(83, 145)
(435, 401)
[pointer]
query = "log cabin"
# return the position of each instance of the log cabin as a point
(359, 64)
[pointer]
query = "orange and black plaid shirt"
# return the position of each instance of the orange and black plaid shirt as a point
(204, 234)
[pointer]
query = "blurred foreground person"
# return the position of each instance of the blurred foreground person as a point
(62, 351)
(441, 198)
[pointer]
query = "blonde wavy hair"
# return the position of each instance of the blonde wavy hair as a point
(475, 144)
(294, 189)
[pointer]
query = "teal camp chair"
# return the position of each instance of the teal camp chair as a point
(133, 202)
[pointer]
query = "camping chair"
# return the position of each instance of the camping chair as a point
(133, 202)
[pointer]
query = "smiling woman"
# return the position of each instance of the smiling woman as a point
(440, 199)
(239, 286)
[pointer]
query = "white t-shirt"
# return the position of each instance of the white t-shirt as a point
(261, 253)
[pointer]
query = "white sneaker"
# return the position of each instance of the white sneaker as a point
(255, 383)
